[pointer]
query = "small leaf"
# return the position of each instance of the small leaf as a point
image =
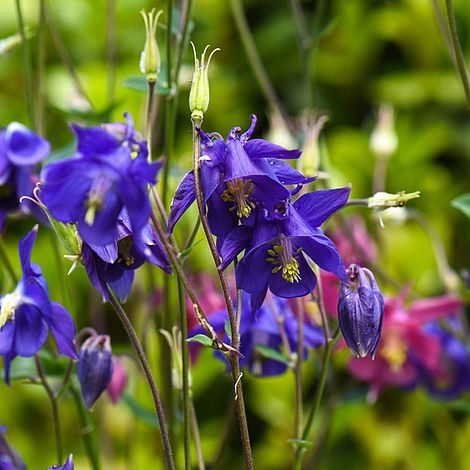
(270, 353)
(202, 339)
(139, 83)
(462, 203)
(188, 250)
(300, 443)
(228, 328)
(139, 411)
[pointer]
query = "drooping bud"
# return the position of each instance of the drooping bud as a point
(360, 311)
(150, 58)
(68, 465)
(384, 140)
(199, 93)
(95, 367)
(118, 381)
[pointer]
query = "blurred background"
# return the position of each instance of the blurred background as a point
(365, 53)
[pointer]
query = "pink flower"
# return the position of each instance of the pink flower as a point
(118, 380)
(405, 346)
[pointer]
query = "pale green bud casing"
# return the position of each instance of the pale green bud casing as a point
(150, 58)
(199, 93)
(384, 140)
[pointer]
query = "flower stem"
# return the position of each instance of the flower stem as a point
(6, 261)
(298, 372)
(27, 65)
(196, 438)
(185, 381)
(255, 60)
(41, 62)
(460, 58)
(86, 430)
(149, 120)
(235, 340)
(54, 406)
(111, 49)
(149, 376)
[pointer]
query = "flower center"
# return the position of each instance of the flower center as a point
(394, 351)
(94, 202)
(239, 191)
(124, 250)
(283, 258)
(10, 303)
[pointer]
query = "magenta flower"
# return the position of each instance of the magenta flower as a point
(406, 346)
(118, 382)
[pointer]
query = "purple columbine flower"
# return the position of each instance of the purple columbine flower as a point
(95, 367)
(115, 263)
(361, 311)
(9, 458)
(108, 173)
(20, 150)
(277, 244)
(27, 314)
(68, 465)
(237, 176)
(274, 326)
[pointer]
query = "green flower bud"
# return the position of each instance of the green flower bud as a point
(150, 58)
(382, 201)
(199, 93)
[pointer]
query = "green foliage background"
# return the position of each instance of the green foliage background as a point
(368, 52)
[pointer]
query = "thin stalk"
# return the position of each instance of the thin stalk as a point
(169, 113)
(191, 238)
(255, 60)
(319, 12)
(460, 58)
(305, 44)
(54, 406)
(86, 430)
(380, 174)
(6, 261)
(441, 22)
(326, 357)
(185, 371)
(196, 438)
(169, 463)
(111, 48)
(298, 371)
(63, 285)
(41, 63)
(27, 65)
(235, 340)
(64, 55)
(149, 120)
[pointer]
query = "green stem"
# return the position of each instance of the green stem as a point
(6, 261)
(111, 49)
(185, 371)
(235, 340)
(63, 284)
(148, 375)
(41, 59)
(54, 406)
(255, 60)
(149, 120)
(27, 65)
(196, 438)
(460, 58)
(191, 238)
(86, 430)
(298, 372)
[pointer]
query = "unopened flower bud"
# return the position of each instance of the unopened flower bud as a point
(383, 200)
(118, 381)
(360, 311)
(95, 367)
(310, 160)
(199, 93)
(384, 140)
(150, 58)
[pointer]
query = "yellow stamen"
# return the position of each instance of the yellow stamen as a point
(10, 303)
(239, 191)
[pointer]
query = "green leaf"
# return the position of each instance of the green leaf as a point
(462, 203)
(270, 353)
(188, 250)
(300, 443)
(228, 328)
(139, 411)
(202, 339)
(139, 83)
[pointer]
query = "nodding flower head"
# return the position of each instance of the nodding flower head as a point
(360, 311)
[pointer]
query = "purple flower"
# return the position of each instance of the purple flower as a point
(108, 173)
(237, 176)
(27, 314)
(115, 262)
(273, 328)
(20, 150)
(361, 311)
(277, 244)
(95, 367)
(9, 458)
(68, 465)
